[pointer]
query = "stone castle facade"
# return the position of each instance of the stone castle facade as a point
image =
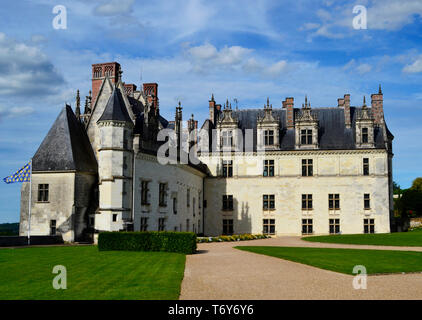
(281, 171)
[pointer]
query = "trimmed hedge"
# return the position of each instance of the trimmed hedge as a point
(235, 237)
(181, 242)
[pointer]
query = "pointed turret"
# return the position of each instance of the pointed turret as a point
(115, 108)
(66, 146)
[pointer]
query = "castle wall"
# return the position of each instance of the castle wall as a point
(336, 172)
(59, 207)
(179, 178)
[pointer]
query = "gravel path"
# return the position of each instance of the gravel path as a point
(220, 272)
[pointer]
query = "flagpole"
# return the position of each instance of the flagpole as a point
(29, 204)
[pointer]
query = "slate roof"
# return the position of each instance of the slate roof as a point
(115, 108)
(332, 132)
(66, 147)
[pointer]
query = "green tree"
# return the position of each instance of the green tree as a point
(396, 187)
(417, 184)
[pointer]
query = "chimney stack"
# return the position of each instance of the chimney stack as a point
(346, 105)
(151, 91)
(377, 102)
(289, 105)
(130, 89)
(99, 72)
(212, 109)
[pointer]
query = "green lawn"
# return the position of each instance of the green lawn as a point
(409, 239)
(26, 273)
(343, 260)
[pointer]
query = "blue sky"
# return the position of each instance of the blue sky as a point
(246, 50)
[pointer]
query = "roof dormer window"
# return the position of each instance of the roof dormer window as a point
(227, 138)
(306, 136)
(269, 137)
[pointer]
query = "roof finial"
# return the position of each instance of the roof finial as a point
(268, 102)
(78, 104)
(379, 90)
(212, 97)
(78, 99)
(306, 105)
(364, 101)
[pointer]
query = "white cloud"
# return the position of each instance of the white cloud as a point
(12, 112)
(393, 14)
(360, 68)
(277, 68)
(114, 7)
(364, 68)
(25, 70)
(414, 67)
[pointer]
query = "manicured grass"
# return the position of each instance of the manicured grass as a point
(343, 260)
(26, 273)
(407, 239)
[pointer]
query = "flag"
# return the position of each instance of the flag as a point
(22, 175)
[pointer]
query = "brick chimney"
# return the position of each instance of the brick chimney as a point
(340, 102)
(151, 91)
(130, 89)
(212, 109)
(377, 102)
(99, 72)
(346, 105)
(289, 105)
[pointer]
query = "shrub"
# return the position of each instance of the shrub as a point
(236, 237)
(182, 242)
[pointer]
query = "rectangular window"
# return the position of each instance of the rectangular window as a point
(307, 226)
(227, 168)
(268, 226)
(163, 195)
(268, 168)
(188, 198)
(268, 137)
(161, 224)
(334, 201)
(52, 227)
(193, 206)
(306, 136)
(227, 226)
(307, 168)
(187, 225)
(227, 202)
(43, 193)
(306, 201)
(227, 139)
(175, 205)
(144, 192)
(268, 201)
(114, 217)
(365, 135)
(144, 224)
(366, 166)
(366, 201)
(369, 225)
(334, 226)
